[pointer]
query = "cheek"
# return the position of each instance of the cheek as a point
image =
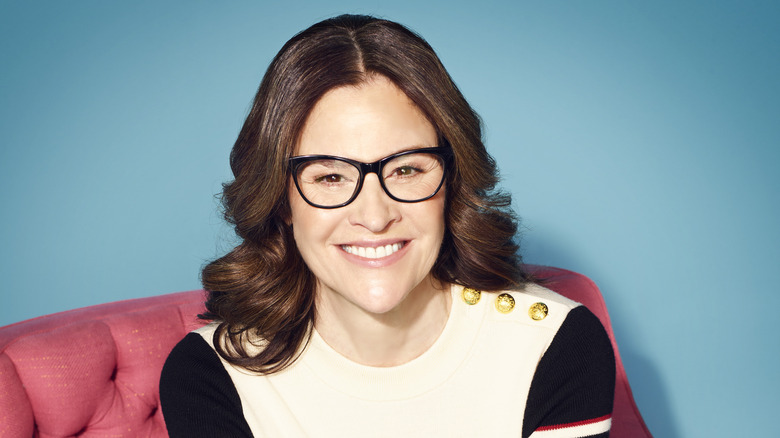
(438, 214)
(300, 212)
(431, 223)
(311, 226)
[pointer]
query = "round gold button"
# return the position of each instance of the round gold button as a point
(471, 296)
(505, 303)
(538, 311)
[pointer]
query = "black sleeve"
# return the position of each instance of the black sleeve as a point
(197, 396)
(574, 383)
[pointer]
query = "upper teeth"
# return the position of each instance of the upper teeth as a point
(371, 252)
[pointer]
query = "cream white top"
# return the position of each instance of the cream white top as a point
(473, 381)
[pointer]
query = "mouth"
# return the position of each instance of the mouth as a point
(371, 252)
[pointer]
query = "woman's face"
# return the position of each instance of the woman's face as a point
(367, 123)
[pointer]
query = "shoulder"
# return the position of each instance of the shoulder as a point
(192, 350)
(574, 383)
(576, 332)
(196, 393)
(194, 362)
(192, 356)
(580, 345)
(532, 305)
(549, 314)
(521, 323)
(192, 367)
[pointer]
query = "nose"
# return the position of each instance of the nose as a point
(373, 209)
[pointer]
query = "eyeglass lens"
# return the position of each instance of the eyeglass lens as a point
(332, 182)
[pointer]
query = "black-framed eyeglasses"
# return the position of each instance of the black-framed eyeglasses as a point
(327, 181)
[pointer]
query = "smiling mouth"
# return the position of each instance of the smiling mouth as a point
(371, 252)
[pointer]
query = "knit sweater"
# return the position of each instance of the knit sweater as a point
(491, 373)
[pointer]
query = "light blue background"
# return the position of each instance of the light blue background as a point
(640, 141)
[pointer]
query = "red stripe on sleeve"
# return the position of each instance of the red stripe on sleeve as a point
(575, 424)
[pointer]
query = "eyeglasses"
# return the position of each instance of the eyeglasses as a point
(327, 181)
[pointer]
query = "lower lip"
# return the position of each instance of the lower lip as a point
(376, 263)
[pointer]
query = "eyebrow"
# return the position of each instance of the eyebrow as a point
(400, 151)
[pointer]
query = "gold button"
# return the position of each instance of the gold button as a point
(471, 296)
(505, 303)
(538, 311)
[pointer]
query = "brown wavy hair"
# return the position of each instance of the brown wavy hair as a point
(262, 289)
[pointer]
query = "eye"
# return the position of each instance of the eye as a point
(328, 173)
(332, 178)
(405, 171)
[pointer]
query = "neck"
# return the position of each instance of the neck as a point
(388, 339)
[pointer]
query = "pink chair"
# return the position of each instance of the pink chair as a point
(627, 422)
(94, 371)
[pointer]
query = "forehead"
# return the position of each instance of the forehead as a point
(365, 122)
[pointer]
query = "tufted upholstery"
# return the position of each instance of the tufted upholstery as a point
(93, 372)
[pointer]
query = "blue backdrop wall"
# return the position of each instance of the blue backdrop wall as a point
(640, 141)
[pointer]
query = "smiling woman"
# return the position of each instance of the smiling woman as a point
(377, 272)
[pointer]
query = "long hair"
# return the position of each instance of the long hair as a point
(261, 292)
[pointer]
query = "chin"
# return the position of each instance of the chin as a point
(381, 300)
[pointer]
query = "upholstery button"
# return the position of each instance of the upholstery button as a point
(471, 296)
(505, 303)
(538, 311)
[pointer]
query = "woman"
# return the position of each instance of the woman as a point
(375, 287)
